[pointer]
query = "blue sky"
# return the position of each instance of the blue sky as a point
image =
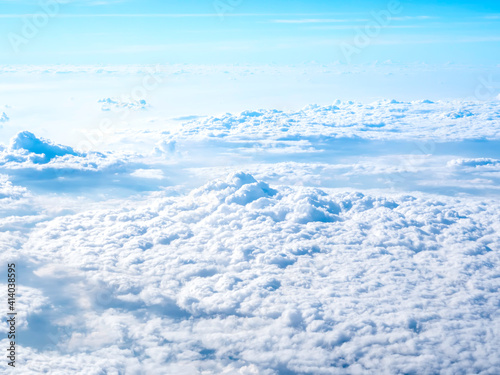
(249, 31)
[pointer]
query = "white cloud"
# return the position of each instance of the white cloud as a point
(148, 173)
(319, 20)
(286, 267)
(79, 2)
(241, 276)
(379, 120)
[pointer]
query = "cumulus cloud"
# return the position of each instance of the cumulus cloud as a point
(289, 266)
(239, 276)
(383, 120)
(17, 207)
(27, 142)
(39, 163)
(109, 104)
(477, 162)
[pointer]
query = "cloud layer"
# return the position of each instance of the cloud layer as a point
(241, 277)
(348, 238)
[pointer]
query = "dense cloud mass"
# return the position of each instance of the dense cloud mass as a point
(333, 240)
(382, 120)
(241, 277)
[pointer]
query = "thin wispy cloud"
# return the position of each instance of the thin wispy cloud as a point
(351, 26)
(164, 15)
(479, 39)
(433, 25)
(312, 20)
(406, 18)
(157, 23)
(78, 2)
(341, 20)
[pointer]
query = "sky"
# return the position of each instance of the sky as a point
(287, 206)
(248, 32)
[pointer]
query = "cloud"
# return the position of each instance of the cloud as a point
(148, 173)
(318, 20)
(401, 144)
(109, 104)
(343, 20)
(28, 142)
(379, 120)
(278, 261)
(77, 2)
(167, 15)
(238, 276)
(40, 164)
(478, 162)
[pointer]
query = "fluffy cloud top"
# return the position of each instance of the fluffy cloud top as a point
(266, 271)
(241, 277)
(383, 120)
(27, 141)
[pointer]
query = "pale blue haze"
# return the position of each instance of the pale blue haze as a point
(283, 32)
